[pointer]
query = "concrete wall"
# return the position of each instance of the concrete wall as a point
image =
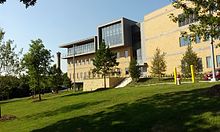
(94, 84)
(85, 68)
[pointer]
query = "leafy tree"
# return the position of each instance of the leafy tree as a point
(158, 64)
(37, 62)
(190, 58)
(10, 61)
(207, 13)
(7, 84)
(134, 70)
(67, 81)
(104, 61)
(26, 2)
(55, 77)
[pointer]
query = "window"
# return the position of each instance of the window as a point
(218, 60)
(81, 75)
(118, 55)
(85, 76)
(70, 76)
(80, 49)
(112, 35)
(185, 20)
(200, 67)
(185, 40)
(197, 39)
(208, 62)
(126, 53)
(139, 56)
(207, 37)
(77, 75)
(126, 71)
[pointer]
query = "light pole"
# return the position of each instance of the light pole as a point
(213, 61)
(74, 68)
(212, 52)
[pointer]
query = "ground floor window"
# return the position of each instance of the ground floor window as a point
(208, 62)
(126, 71)
(218, 60)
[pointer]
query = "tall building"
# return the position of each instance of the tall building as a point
(122, 36)
(133, 40)
(160, 32)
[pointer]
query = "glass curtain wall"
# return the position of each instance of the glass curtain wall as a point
(112, 35)
(80, 49)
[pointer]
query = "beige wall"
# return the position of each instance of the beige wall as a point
(94, 84)
(160, 32)
(83, 69)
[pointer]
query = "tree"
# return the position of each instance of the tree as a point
(26, 2)
(10, 61)
(104, 61)
(134, 70)
(207, 14)
(67, 81)
(190, 58)
(158, 64)
(55, 77)
(37, 61)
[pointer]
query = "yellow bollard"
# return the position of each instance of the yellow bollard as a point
(192, 73)
(175, 75)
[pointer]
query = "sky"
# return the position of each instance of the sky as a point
(57, 22)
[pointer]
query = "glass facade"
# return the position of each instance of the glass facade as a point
(81, 49)
(112, 35)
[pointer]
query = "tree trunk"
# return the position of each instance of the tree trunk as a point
(39, 96)
(0, 111)
(104, 81)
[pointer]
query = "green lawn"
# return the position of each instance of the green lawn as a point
(155, 108)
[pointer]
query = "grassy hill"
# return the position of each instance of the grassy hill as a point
(189, 107)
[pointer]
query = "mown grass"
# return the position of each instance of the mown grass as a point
(155, 108)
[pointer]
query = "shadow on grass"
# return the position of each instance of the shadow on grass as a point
(154, 80)
(170, 112)
(62, 110)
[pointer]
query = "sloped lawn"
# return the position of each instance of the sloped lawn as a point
(165, 108)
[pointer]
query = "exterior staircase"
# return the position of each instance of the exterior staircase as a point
(124, 83)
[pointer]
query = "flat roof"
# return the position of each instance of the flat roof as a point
(70, 44)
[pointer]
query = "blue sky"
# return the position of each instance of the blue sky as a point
(64, 21)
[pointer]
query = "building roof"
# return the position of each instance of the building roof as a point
(70, 44)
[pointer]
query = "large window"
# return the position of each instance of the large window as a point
(208, 62)
(139, 55)
(126, 54)
(185, 40)
(200, 66)
(80, 49)
(112, 35)
(218, 60)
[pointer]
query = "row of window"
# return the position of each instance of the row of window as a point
(89, 61)
(81, 62)
(186, 40)
(183, 20)
(86, 75)
(125, 54)
(85, 48)
(112, 35)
